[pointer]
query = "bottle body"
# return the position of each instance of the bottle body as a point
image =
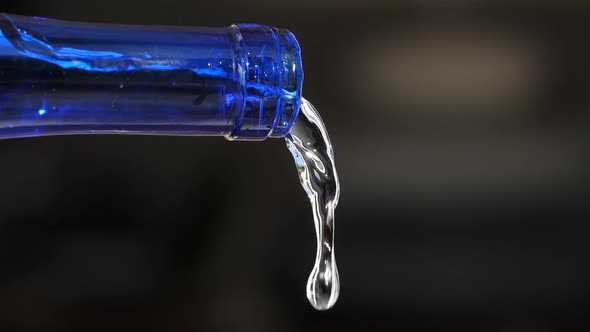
(56, 77)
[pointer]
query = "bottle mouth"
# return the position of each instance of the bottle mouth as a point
(271, 78)
(291, 84)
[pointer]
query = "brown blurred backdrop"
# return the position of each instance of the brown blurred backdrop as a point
(460, 131)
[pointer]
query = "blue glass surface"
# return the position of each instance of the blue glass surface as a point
(57, 77)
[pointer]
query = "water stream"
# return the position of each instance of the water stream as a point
(314, 157)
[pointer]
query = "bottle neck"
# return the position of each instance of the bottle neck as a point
(57, 77)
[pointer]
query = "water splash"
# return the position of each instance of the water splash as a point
(314, 157)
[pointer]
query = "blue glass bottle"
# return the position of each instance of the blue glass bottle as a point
(56, 77)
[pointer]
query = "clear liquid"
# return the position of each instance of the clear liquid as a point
(311, 148)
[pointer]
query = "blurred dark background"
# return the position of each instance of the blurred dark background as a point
(460, 131)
